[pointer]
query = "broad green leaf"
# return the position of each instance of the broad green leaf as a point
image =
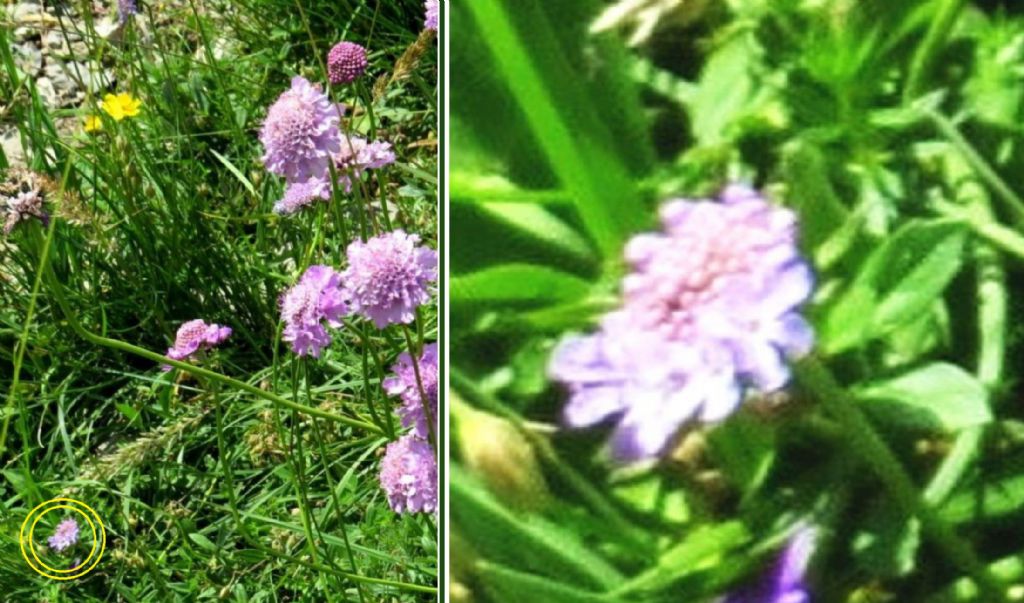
(510, 586)
(939, 396)
(517, 284)
(897, 283)
(202, 541)
(521, 541)
(703, 548)
(994, 499)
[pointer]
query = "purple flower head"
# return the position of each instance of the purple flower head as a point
(785, 582)
(125, 9)
(300, 194)
(404, 384)
(433, 7)
(357, 155)
(408, 474)
(193, 336)
(315, 299)
(346, 62)
(300, 133)
(710, 309)
(64, 536)
(22, 206)
(388, 276)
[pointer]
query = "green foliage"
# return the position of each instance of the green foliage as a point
(257, 480)
(892, 130)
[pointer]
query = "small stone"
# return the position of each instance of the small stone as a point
(28, 59)
(11, 143)
(47, 92)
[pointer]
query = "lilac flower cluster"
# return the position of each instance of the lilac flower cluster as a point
(403, 384)
(433, 8)
(408, 472)
(22, 196)
(785, 582)
(346, 61)
(387, 278)
(302, 137)
(408, 475)
(64, 536)
(126, 9)
(711, 308)
(193, 336)
(317, 298)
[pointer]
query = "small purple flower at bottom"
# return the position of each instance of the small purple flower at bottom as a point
(404, 384)
(785, 583)
(408, 474)
(317, 298)
(432, 10)
(196, 335)
(388, 277)
(21, 207)
(64, 536)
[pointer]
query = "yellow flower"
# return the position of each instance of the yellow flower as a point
(120, 106)
(93, 123)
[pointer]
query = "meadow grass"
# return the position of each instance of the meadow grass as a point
(252, 474)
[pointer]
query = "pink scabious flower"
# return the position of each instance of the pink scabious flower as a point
(193, 336)
(433, 8)
(316, 299)
(64, 536)
(710, 310)
(408, 474)
(403, 383)
(346, 62)
(300, 133)
(300, 194)
(388, 277)
(358, 155)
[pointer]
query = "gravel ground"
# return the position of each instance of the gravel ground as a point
(49, 49)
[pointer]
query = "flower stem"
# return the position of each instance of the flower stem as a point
(866, 442)
(431, 417)
(56, 288)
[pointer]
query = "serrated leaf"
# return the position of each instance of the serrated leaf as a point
(937, 397)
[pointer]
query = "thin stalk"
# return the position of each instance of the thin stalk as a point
(985, 171)
(921, 63)
(429, 415)
(875, 453)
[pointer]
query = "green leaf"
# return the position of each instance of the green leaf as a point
(703, 548)
(745, 449)
(542, 226)
(202, 541)
(511, 586)
(898, 282)
(517, 284)
(524, 542)
(937, 397)
(887, 546)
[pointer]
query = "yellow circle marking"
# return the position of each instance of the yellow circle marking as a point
(81, 572)
(32, 536)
